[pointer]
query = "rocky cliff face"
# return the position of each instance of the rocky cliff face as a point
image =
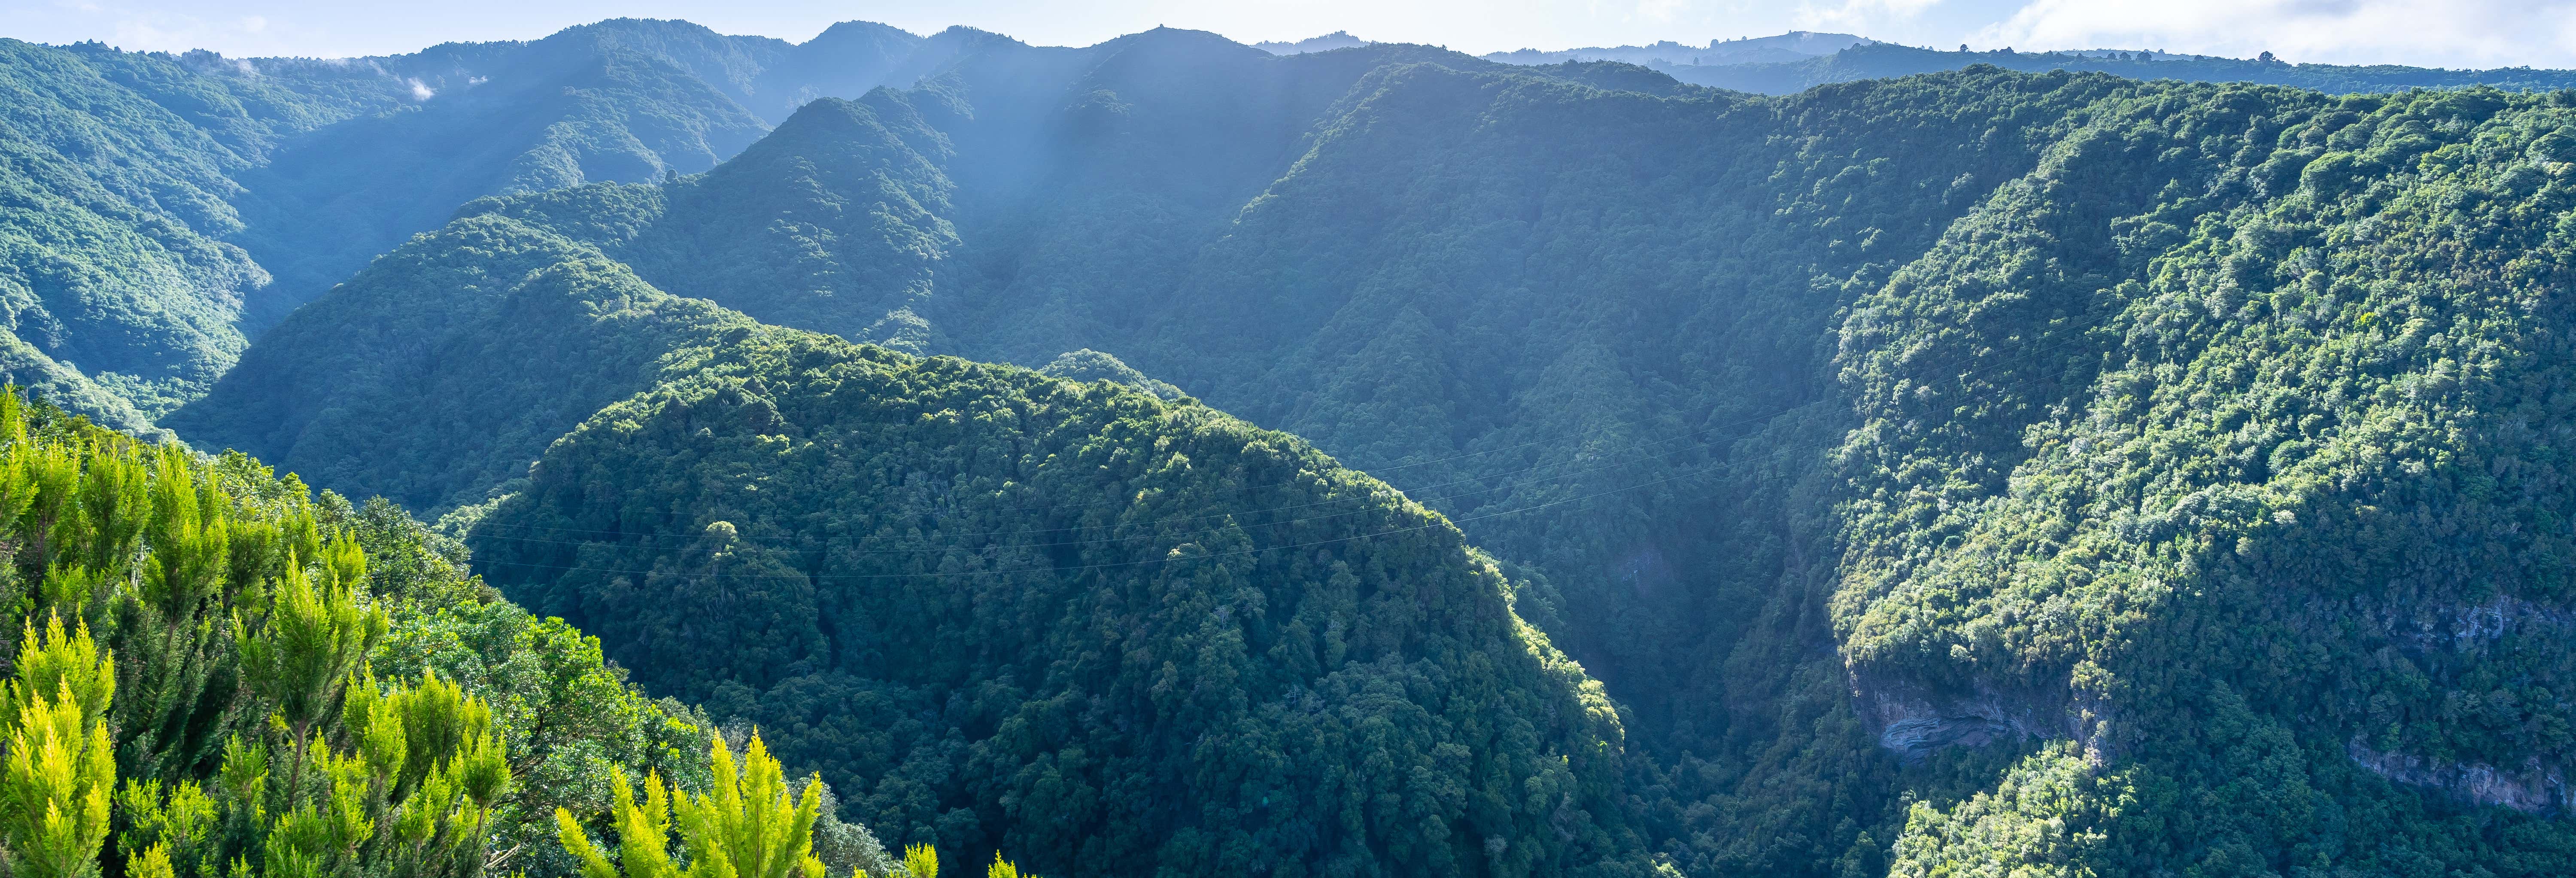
(2530, 787)
(2429, 632)
(1914, 720)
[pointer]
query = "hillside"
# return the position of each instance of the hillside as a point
(440, 371)
(1977, 467)
(122, 287)
(2251, 493)
(1109, 634)
(505, 327)
(163, 209)
(250, 674)
(622, 100)
(179, 205)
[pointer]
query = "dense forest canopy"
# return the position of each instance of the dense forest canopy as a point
(1243, 658)
(2042, 464)
(163, 208)
(238, 664)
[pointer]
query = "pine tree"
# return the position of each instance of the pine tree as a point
(745, 826)
(55, 784)
(313, 637)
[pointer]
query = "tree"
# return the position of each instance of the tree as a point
(60, 770)
(746, 825)
(306, 645)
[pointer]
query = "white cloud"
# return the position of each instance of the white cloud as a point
(2453, 33)
(1857, 15)
(419, 91)
(1660, 10)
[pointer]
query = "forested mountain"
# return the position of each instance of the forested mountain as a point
(122, 288)
(1796, 45)
(1325, 43)
(1874, 60)
(2047, 468)
(440, 371)
(220, 673)
(163, 208)
(1110, 634)
(2040, 464)
(2251, 493)
(626, 100)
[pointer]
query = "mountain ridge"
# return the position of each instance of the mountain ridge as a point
(2033, 470)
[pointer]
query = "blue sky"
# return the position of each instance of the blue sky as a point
(2446, 33)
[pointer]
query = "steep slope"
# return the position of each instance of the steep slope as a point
(1650, 485)
(1931, 441)
(623, 100)
(1109, 634)
(174, 588)
(520, 323)
(121, 293)
(346, 194)
(160, 208)
(2250, 490)
(444, 368)
(979, 213)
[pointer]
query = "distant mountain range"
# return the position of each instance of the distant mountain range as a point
(1325, 43)
(159, 209)
(1792, 46)
(1799, 60)
(1796, 45)
(1177, 457)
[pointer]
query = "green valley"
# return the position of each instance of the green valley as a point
(1175, 457)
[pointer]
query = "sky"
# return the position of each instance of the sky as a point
(2435, 33)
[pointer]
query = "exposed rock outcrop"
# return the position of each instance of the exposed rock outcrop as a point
(2532, 787)
(1915, 720)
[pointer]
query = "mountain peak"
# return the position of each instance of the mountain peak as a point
(846, 31)
(1328, 42)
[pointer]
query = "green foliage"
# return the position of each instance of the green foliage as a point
(491, 297)
(747, 826)
(1073, 568)
(743, 828)
(408, 791)
(60, 768)
(308, 643)
(160, 208)
(1091, 365)
(228, 679)
(2246, 481)
(120, 175)
(644, 834)
(59, 668)
(2207, 433)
